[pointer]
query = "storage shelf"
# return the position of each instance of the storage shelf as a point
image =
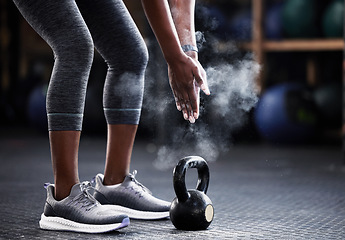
(297, 45)
(261, 46)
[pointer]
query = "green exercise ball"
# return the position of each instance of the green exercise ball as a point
(299, 18)
(333, 19)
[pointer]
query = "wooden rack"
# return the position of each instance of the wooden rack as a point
(260, 46)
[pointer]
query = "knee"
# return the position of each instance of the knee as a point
(77, 53)
(141, 57)
(133, 58)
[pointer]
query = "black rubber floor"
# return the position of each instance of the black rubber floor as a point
(259, 192)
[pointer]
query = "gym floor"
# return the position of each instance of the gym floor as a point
(258, 191)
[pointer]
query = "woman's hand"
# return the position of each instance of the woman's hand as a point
(186, 77)
(174, 27)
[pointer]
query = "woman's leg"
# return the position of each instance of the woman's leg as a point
(61, 25)
(64, 147)
(69, 206)
(118, 40)
(119, 152)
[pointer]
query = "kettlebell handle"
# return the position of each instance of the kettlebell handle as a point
(179, 176)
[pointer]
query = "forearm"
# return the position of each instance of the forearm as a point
(182, 12)
(162, 24)
(175, 26)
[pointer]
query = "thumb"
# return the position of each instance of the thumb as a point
(201, 78)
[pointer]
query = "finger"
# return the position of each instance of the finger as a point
(190, 113)
(195, 100)
(186, 105)
(177, 101)
(184, 111)
(201, 79)
(202, 82)
(190, 100)
(178, 104)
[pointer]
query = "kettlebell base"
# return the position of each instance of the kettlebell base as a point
(194, 214)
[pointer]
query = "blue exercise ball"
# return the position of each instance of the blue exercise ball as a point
(240, 26)
(285, 113)
(36, 112)
(217, 21)
(273, 23)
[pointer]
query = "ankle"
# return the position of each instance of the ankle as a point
(62, 191)
(112, 180)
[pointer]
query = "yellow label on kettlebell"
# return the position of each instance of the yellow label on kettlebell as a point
(209, 213)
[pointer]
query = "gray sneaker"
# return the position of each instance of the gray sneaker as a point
(131, 198)
(80, 212)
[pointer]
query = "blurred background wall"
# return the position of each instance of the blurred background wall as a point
(298, 43)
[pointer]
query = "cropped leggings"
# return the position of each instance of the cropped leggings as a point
(73, 29)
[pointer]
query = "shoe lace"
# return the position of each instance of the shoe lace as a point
(133, 179)
(85, 198)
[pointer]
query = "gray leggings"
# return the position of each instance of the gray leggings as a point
(72, 29)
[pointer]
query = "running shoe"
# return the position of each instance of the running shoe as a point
(131, 198)
(80, 212)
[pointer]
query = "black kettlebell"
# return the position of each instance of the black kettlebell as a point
(192, 209)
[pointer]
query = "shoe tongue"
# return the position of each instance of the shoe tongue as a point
(128, 178)
(131, 178)
(75, 190)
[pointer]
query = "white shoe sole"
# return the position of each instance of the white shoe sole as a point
(61, 224)
(143, 215)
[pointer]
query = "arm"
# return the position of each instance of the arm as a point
(159, 17)
(185, 73)
(183, 16)
(182, 12)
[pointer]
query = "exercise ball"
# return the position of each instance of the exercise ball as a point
(241, 26)
(328, 101)
(333, 19)
(285, 113)
(273, 23)
(36, 110)
(299, 18)
(217, 21)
